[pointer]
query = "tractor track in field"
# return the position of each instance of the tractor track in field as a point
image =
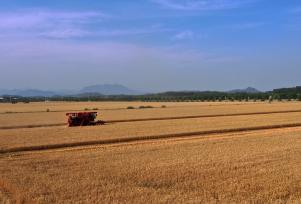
(154, 119)
(144, 138)
(31, 126)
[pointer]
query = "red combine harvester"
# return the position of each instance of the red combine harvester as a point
(83, 119)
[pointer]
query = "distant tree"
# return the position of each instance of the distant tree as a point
(270, 99)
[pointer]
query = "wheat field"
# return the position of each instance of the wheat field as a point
(35, 113)
(249, 166)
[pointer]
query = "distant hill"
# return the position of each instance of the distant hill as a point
(96, 90)
(296, 89)
(109, 89)
(247, 90)
(27, 92)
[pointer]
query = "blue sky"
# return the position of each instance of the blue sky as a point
(152, 45)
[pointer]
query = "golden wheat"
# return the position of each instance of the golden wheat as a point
(253, 167)
(248, 167)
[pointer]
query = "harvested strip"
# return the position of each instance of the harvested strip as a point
(61, 135)
(59, 111)
(202, 116)
(154, 119)
(140, 138)
(209, 137)
(127, 114)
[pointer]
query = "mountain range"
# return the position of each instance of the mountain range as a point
(100, 89)
(27, 92)
(109, 89)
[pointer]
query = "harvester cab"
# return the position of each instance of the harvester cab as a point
(83, 119)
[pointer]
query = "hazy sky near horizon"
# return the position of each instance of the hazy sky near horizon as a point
(150, 45)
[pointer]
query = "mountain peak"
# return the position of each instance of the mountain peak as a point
(247, 90)
(109, 89)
